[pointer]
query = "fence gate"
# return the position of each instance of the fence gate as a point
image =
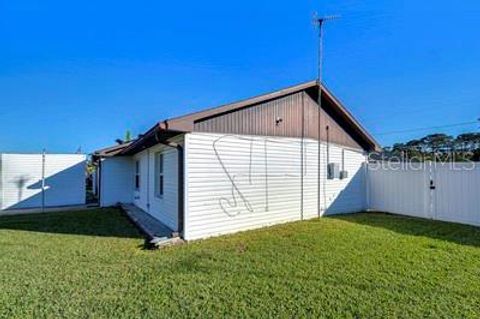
(449, 192)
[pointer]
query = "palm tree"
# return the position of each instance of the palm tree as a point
(128, 136)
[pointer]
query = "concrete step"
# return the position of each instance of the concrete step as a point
(157, 233)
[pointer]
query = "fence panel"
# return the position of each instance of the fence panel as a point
(449, 192)
(397, 189)
(457, 193)
(34, 180)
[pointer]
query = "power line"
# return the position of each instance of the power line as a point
(429, 128)
(416, 110)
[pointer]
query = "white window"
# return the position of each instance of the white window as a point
(159, 174)
(137, 175)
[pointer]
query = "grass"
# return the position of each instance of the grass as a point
(91, 264)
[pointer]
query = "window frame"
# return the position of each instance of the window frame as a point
(137, 180)
(159, 174)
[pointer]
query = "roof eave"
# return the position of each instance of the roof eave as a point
(375, 146)
(157, 134)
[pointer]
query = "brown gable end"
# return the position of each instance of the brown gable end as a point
(294, 115)
(291, 112)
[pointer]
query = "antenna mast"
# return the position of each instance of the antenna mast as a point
(318, 22)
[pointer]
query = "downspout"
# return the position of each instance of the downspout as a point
(367, 184)
(148, 180)
(319, 150)
(325, 206)
(327, 128)
(301, 157)
(180, 184)
(99, 182)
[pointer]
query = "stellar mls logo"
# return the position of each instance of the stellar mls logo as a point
(450, 160)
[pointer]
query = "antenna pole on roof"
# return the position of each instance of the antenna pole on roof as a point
(318, 22)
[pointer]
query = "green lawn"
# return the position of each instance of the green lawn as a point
(92, 264)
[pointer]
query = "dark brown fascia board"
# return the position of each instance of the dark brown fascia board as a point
(349, 116)
(156, 134)
(111, 150)
(142, 138)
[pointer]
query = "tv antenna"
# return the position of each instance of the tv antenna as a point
(319, 22)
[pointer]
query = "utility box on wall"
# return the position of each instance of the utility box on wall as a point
(333, 171)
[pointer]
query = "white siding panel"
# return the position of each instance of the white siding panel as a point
(338, 195)
(346, 195)
(116, 181)
(237, 182)
(164, 208)
(310, 180)
(21, 185)
(141, 195)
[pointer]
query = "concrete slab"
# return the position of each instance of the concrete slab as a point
(157, 232)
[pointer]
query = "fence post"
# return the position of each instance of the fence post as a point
(426, 189)
(430, 199)
(367, 183)
(43, 180)
(433, 193)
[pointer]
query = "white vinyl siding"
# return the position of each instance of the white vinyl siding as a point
(116, 181)
(164, 207)
(238, 182)
(21, 180)
(337, 196)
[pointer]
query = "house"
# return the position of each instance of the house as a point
(265, 160)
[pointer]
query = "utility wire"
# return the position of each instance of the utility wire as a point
(405, 112)
(429, 128)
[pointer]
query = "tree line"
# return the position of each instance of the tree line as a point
(438, 146)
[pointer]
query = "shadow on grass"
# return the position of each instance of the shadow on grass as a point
(97, 222)
(451, 232)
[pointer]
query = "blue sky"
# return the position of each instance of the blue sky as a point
(79, 73)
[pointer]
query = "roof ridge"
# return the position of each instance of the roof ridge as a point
(294, 87)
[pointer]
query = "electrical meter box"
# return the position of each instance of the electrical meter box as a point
(343, 174)
(333, 171)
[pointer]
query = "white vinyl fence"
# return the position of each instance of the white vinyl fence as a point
(448, 192)
(37, 180)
